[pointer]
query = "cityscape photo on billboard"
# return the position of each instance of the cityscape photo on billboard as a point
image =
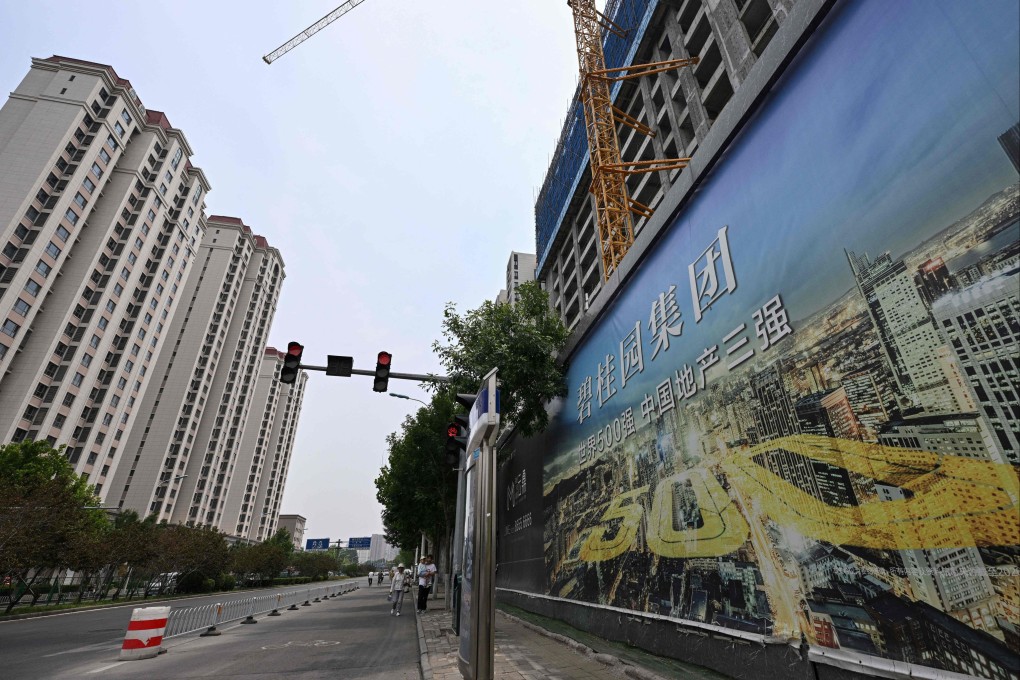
(801, 413)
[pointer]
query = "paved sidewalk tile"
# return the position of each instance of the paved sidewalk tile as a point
(521, 654)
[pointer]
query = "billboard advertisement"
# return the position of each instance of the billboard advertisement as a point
(800, 415)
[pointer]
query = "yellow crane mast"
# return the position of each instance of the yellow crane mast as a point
(613, 206)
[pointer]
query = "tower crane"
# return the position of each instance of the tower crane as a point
(614, 208)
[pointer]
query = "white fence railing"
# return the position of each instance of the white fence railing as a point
(184, 620)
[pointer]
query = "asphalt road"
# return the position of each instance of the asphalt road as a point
(347, 637)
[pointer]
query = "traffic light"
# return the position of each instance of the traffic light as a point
(382, 371)
(291, 363)
(456, 439)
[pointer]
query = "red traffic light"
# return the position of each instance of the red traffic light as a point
(295, 349)
(384, 359)
(452, 430)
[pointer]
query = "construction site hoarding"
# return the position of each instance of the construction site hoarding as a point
(799, 418)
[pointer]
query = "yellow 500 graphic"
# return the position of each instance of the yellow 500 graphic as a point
(931, 501)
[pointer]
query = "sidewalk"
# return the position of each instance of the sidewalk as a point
(524, 653)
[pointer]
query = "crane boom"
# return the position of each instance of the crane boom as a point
(311, 30)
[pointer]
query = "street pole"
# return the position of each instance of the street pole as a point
(475, 657)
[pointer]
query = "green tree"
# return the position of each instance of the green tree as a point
(47, 514)
(522, 341)
(417, 489)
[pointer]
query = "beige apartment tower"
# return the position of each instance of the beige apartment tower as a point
(179, 462)
(252, 507)
(100, 216)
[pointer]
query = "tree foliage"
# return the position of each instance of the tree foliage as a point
(51, 526)
(416, 488)
(522, 341)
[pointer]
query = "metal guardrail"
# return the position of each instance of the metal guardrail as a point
(184, 620)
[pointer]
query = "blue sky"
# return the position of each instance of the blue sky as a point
(392, 158)
(882, 134)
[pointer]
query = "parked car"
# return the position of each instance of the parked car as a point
(167, 582)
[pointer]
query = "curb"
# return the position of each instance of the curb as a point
(628, 669)
(424, 667)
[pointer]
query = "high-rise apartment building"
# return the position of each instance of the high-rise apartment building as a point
(180, 462)
(132, 329)
(520, 268)
(252, 506)
(980, 325)
(679, 106)
(906, 329)
(100, 216)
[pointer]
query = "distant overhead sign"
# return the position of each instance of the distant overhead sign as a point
(317, 544)
(363, 543)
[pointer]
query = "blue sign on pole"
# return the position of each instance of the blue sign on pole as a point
(317, 544)
(361, 543)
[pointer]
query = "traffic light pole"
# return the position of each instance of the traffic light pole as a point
(418, 377)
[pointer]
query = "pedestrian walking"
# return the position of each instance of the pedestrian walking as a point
(370, 575)
(397, 589)
(426, 573)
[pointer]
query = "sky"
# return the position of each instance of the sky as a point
(393, 158)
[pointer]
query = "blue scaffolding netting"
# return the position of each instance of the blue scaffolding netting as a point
(571, 154)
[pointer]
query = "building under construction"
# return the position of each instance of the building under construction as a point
(678, 106)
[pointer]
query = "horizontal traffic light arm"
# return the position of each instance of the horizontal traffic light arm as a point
(400, 376)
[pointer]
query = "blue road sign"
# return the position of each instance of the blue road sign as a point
(362, 543)
(317, 544)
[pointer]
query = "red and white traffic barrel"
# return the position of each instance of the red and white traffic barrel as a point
(145, 633)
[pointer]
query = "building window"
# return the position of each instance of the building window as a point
(168, 176)
(21, 307)
(43, 269)
(94, 342)
(63, 233)
(122, 383)
(119, 128)
(177, 157)
(10, 328)
(105, 156)
(103, 323)
(110, 305)
(132, 258)
(71, 216)
(32, 288)
(162, 189)
(3, 350)
(89, 185)
(52, 250)
(107, 419)
(112, 143)
(77, 379)
(125, 116)
(124, 273)
(145, 230)
(10, 250)
(151, 214)
(86, 360)
(118, 289)
(80, 200)
(97, 171)
(198, 192)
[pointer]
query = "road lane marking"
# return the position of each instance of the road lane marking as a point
(106, 668)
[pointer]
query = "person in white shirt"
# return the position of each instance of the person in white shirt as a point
(397, 589)
(426, 573)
